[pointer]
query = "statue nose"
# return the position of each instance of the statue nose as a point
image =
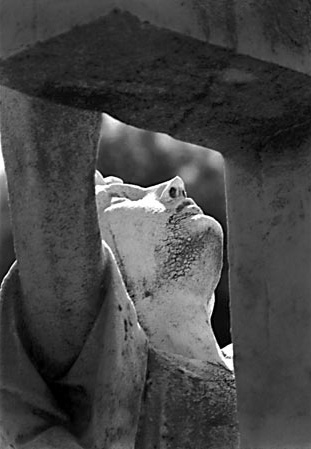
(174, 189)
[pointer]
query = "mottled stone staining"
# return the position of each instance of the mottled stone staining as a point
(285, 23)
(179, 251)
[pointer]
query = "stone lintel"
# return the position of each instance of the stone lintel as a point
(163, 81)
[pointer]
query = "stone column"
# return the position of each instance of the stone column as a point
(50, 154)
(269, 217)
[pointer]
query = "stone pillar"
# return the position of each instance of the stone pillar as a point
(50, 155)
(269, 216)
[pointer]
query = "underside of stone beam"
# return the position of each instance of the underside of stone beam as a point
(160, 80)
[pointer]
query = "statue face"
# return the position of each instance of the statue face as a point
(161, 239)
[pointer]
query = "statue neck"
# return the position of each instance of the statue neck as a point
(179, 322)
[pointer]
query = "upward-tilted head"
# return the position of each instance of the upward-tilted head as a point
(169, 254)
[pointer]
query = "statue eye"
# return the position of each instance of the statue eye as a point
(173, 192)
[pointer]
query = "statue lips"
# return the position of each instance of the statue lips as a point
(189, 206)
(199, 223)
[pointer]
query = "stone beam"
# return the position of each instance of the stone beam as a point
(160, 80)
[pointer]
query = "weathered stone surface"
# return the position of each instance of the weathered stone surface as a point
(96, 403)
(269, 218)
(50, 153)
(277, 31)
(163, 81)
(193, 405)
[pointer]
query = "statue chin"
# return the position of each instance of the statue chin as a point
(206, 221)
(200, 223)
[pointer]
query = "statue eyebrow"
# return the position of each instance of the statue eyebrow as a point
(130, 192)
(157, 188)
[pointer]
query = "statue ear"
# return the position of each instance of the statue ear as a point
(100, 180)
